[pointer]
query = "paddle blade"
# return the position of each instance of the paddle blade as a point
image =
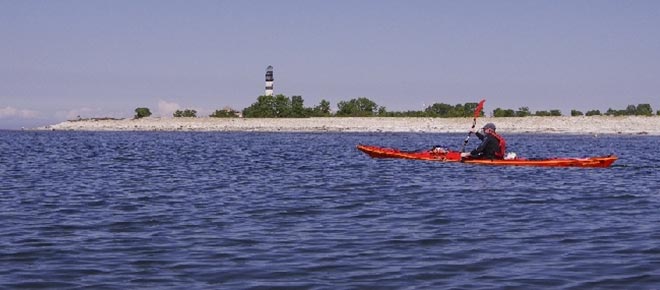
(480, 106)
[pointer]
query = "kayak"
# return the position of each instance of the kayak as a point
(445, 155)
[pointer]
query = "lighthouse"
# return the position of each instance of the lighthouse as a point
(269, 81)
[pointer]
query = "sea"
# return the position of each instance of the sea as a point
(254, 210)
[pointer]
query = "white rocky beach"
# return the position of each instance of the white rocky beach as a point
(631, 125)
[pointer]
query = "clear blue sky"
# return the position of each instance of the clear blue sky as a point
(61, 59)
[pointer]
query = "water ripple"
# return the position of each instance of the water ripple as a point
(305, 210)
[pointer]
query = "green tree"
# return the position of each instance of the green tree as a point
(632, 110)
(458, 111)
(593, 113)
(263, 108)
(439, 110)
(297, 108)
(503, 113)
(469, 110)
(613, 112)
(523, 112)
(644, 110)
(443, 110)
(382, 111)
(322, 110)
(224, 113)
(282, 106)
(575, 113)
(142, 112)
(556, 113)
(185, 113)
(360, 107)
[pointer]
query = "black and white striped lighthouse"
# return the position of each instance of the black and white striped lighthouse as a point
(269, 81)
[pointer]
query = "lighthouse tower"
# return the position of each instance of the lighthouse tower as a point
(269, 81)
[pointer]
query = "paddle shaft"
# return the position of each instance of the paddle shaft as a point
(477, 112)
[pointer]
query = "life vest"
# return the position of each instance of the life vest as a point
(499, 154)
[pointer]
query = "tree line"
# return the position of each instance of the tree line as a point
(281, 106)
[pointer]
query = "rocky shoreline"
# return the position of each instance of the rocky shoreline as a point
(633, 125)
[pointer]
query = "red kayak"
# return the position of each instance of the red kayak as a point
(445, 155)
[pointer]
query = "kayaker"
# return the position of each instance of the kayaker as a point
(492, 145)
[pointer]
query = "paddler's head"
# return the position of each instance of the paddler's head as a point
(489, 127)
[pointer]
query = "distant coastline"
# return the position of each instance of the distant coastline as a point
(632, 125)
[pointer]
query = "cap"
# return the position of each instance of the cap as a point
(490, 126)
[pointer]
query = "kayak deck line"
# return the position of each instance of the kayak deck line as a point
(443, 155)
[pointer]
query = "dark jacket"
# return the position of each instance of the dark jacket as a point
(486, 150)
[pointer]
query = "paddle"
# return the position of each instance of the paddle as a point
(477, 112)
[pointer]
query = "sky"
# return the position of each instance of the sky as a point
(91, 58)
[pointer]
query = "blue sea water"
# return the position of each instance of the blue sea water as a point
(193, 210)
